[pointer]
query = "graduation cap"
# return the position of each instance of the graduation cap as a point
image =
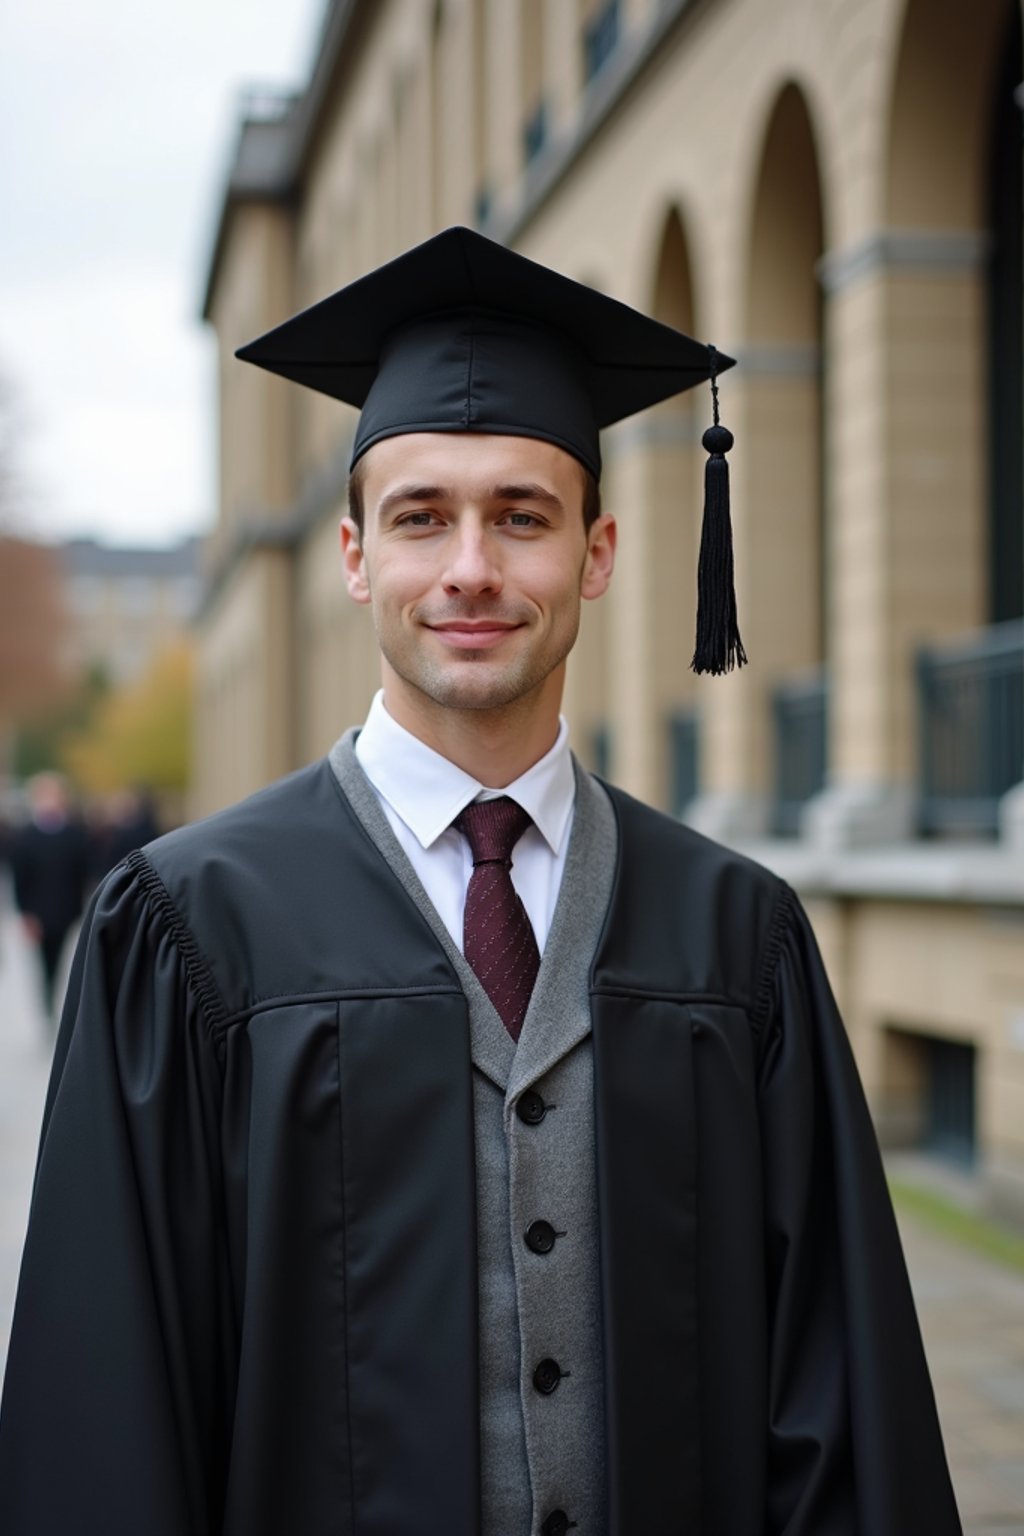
(461, 334)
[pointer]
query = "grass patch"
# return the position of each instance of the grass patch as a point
(968, 1228)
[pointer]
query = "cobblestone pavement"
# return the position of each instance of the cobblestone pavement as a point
(972, 1311)
(972, 1316)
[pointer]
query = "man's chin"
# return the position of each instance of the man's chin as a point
(476, 695)
(475, 686)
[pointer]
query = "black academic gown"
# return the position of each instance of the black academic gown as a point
(248, 1300)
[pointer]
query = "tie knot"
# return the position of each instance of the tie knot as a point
(492, 828)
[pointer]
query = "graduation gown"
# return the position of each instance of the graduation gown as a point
(248, 1298)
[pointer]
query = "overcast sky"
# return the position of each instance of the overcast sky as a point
(117, 121)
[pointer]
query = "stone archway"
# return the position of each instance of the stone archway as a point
(933, 259)
(907, 305)
(943, 76)
(783, 361)
(774, 405)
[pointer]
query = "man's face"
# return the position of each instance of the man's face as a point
(474, 559)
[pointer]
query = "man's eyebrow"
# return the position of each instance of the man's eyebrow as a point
(412, 492)
(527, 491)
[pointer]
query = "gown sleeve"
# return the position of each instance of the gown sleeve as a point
(854, 1441)
(116, 1401)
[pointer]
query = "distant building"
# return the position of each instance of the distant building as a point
(126, 604)
(829, 190)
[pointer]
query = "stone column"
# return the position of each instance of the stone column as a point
(907, 485)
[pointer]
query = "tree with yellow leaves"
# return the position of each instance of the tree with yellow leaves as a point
(141, 733)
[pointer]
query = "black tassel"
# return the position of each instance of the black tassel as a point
(719, 647)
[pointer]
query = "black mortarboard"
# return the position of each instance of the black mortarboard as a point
(461, 334)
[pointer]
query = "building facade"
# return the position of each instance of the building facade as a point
(126, 605)
(830, 190)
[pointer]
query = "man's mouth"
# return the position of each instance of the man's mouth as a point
(473, 634)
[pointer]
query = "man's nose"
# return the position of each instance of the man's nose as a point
(472, 564)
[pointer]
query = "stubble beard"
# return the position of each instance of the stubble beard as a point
(475, 681)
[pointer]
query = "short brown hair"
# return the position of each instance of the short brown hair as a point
(591, 496)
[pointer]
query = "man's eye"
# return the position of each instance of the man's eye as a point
(417, 519)
(522, 519)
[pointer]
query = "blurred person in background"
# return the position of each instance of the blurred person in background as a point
(49, 859)
(127, 821)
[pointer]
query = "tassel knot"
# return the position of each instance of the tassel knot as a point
(717, 440)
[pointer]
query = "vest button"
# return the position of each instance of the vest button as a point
(531, 1108)
(556, 1524)
(547, 1376)
(540, 1237)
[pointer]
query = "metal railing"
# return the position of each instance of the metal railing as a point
(600, 38)
(800, 722)
(971, 730)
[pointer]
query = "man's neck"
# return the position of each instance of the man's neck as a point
(496, 747)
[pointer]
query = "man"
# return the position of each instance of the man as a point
(50, 869)
(385, 1191)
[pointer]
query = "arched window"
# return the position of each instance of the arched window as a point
(600, 26)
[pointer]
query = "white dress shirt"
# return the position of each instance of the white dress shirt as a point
(421, 793)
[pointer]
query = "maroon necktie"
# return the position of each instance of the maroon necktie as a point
(498, 941)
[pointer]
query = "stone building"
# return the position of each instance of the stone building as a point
(127, 604)
(831, 191)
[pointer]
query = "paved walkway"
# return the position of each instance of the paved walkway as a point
(972, 1316)
(25, 1046)
(972, 1311)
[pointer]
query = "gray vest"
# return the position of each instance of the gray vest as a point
(542, 1436)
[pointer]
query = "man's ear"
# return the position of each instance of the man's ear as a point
(600, 560)
(354, 562)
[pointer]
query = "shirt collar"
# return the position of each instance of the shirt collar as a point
(428, 792)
